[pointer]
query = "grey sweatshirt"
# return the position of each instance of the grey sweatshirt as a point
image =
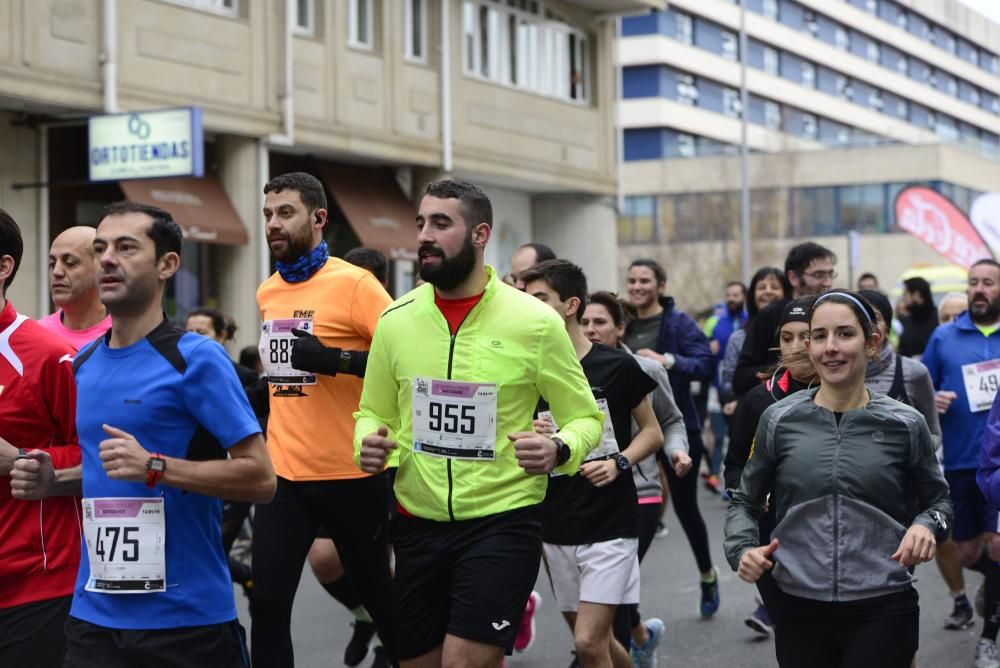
(916, 380)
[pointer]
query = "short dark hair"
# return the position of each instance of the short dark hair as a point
(370, 259)
(307, 186)
(868, 274)
(986, 261)
(166, 234)
(220, 323)
(11, 244)
(611, 302)
(542, 252)
(738, 283)
(475, 205)
(658, 270)
(865, 313)
(250, 357)
(567, 279)
(881, 303)
(802, 255)
(920, 285)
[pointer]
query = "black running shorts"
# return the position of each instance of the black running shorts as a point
(469, 579)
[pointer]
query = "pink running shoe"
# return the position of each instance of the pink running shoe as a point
(526, 632)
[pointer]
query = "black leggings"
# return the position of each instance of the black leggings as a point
(356, 515)
(627, 617)
(890, 642)
(684, 492)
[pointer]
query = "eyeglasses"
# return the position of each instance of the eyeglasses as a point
(820, 275)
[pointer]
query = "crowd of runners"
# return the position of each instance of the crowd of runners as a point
(428, 455)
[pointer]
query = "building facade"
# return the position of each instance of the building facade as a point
(849, 101)
(374, 97)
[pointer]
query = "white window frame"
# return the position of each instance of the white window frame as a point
(809, 67)
(732, 106)
(409, 27)
(772, 115)
(810, 126)
(366, 42)
(687, 146)
(223, 7)
(687, 90)
(730, 46)
(875, 100)
(309, 29)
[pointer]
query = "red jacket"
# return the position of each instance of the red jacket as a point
(39, 540)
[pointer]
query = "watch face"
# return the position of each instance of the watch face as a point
(157, 465)
(623, 463)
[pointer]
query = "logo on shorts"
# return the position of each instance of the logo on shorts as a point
(501, 625)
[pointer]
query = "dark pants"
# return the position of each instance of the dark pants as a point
(217, 645)
(627, 617)
(890, 642)
(356, 515)
(684, 493)
(31, 635)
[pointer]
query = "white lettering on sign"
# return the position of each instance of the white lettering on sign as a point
(145, 144)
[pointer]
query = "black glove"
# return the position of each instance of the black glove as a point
(308, 354)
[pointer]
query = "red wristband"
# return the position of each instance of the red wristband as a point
(154, 471)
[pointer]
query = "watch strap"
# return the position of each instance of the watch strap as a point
(153, 476)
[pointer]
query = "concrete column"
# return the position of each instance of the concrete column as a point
(581, 229)
(19, 164)
(237, 160)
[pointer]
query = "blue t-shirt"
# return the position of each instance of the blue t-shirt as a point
(178, 394)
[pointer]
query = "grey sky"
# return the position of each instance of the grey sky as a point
(989, 8)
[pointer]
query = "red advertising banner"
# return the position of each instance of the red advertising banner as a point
(932, 218)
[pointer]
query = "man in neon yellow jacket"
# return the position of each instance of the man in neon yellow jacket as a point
(454, 376)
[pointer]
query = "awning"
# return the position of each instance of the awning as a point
(376, 208)
(199, 205)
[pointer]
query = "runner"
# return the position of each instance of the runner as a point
(158, 409)
(952, 305)
(80, 317)
(921, 317)
(455, 373)
(794, 372)
(719, 331)
(809, 270)
(40, 550)
(314, 308)
(851, 518)
(668, 336)
(526, 257)
(215, 325)
(868, 281)
(960, 357)
(604, 322)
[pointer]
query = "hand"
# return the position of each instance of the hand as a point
(8, 453)
(652, 355)
(943, 399)
(729, 407)
(535, 453)
(600, 472)
(713, 346)
(32, 478)
(917, 546)
(122, 456)
(681, 462)
(308, 354)
(544, 426)
(755, 561)
(375, 450)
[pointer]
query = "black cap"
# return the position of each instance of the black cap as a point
(881, 304)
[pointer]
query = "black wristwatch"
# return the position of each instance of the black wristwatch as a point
(344, 360)
(562, 453)
(623, 463)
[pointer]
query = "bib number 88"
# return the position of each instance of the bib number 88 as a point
(452, 419)
(279, 350)
(127, 548)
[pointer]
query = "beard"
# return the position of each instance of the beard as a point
(295, 247)
(451, 271)
(985, 312)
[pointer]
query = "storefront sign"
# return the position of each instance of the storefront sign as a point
(146, 144)
(985, 217)
(927, 215)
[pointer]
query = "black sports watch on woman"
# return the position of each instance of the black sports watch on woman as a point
(623, 463)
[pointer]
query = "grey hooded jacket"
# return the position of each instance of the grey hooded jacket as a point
(844, 495)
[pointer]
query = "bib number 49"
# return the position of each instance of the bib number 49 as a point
(118, 542)
(452, 419)
(989, 383)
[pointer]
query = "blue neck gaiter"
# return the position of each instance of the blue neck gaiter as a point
(307, 265)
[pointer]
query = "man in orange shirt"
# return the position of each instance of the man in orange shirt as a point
(315, 309)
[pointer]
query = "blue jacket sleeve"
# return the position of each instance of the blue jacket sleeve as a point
(988, 475)
(930, 359)
(693, 359)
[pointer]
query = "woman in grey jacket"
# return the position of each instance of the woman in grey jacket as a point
(848, 469)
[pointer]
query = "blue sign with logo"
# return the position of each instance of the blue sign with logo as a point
(146, 145)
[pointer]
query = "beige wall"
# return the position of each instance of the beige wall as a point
(19, 164)
(580, 229)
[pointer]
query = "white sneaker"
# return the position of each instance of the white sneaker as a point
(987, 655)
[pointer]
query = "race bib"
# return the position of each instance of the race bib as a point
(981, 382)
(454, 419)
(608, 446)
(275, 349)
(126, 544)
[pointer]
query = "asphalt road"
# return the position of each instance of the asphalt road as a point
(321, 628)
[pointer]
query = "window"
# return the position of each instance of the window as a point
(810, 127)
(644, 144)
(687, 90)
(968, 93)
(732, 106)
(875, 99)
(359, 20)
(862, 209)
(808, 74)
(810, 24)
(771, 9)
(990, 63)
(968, 52)
(226, 7)
(305, 17)
(771, 62)
(416, 32)
(637, 220)
(683, 28)
(772, 115)
(841, 39)
(813, 212)
(730, 46)
(945, 127)
(686, 147)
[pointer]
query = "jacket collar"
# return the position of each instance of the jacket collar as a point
(667, 303)
(7, 315)
(492, 285)
(964, 322)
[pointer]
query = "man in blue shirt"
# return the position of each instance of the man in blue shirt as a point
(166, 431)
(960, 358)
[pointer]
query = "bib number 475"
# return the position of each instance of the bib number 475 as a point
(117, 542)
(452, 419)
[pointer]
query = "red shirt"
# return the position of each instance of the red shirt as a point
(40, 549)
(456, 310)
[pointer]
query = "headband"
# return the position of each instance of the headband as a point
(845, 296)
